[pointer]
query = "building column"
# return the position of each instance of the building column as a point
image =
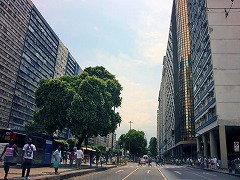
(223, 146)
(204, 138)
(213, 145)
(198, 147)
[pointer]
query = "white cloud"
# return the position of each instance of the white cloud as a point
(144, 22)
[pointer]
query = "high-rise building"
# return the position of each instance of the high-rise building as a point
(176, 115)
(13, 30)
(30, 51)
(215, 55)
(161, 114)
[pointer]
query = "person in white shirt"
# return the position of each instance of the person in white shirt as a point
(57, 158)
(28, 149)
(79, 157)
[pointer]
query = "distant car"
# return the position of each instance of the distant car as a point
(142, 161)
(145, 157)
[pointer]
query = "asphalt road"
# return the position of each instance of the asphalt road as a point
(129, 172)
(172, 172)
(167, 172)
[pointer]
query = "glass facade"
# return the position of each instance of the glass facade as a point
(185, 126)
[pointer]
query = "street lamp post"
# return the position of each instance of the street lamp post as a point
(130, 122)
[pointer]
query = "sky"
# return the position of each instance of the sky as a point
(127, 37)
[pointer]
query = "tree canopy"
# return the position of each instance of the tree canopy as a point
(153, 146)
(136, 140)
(85, 104)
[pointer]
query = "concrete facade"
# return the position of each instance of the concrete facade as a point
(28, 53)
(215, 56)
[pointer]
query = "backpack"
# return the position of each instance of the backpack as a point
(29, 151)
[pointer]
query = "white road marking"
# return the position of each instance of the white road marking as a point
(164, 177)
(130, 174)
(119, 171)
(177, 172)
(209, 174)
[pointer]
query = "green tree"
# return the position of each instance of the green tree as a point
(135, 140)
(100, 149)
(153, 146)
(71, 142)
(85, 103)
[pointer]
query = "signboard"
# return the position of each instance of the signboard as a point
(236, 146)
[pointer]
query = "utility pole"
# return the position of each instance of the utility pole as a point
(130, 122)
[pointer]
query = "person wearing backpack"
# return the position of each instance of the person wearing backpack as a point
(9, 150)
(28, 150)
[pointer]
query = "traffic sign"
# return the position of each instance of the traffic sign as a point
(236, 146)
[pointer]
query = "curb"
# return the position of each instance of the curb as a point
(66, 175)
(219, 171)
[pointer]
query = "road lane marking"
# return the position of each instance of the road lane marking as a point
(201, 176)
(130, 174)
(164, 177)
(119, 171)
(209, 174)
(177, 172)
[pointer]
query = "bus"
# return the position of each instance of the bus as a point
(45, 145)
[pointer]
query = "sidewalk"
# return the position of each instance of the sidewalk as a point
(225, 171)
(47, 173)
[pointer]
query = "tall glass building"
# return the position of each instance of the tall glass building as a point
(185, 123)
(30, 50)
(178, 119)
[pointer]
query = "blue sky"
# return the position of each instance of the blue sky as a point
(128, 38)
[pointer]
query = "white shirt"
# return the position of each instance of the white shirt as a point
(57, 155)
(27, 148)
(79, 154)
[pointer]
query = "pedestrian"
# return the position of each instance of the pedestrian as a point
(9, 150)
(64, 157)
(157, 160)
(79, 158)
(28, 149)
(101, 160)
(57, 158)
(149, 161)
(71, 158)
(139, 161)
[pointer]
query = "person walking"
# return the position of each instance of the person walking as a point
(9, 150)
(28, 149)
(57, 158)
(139, 161)
(149, 161)
(79, 157)
(101, 160)
(71, 158)
(64, 157)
